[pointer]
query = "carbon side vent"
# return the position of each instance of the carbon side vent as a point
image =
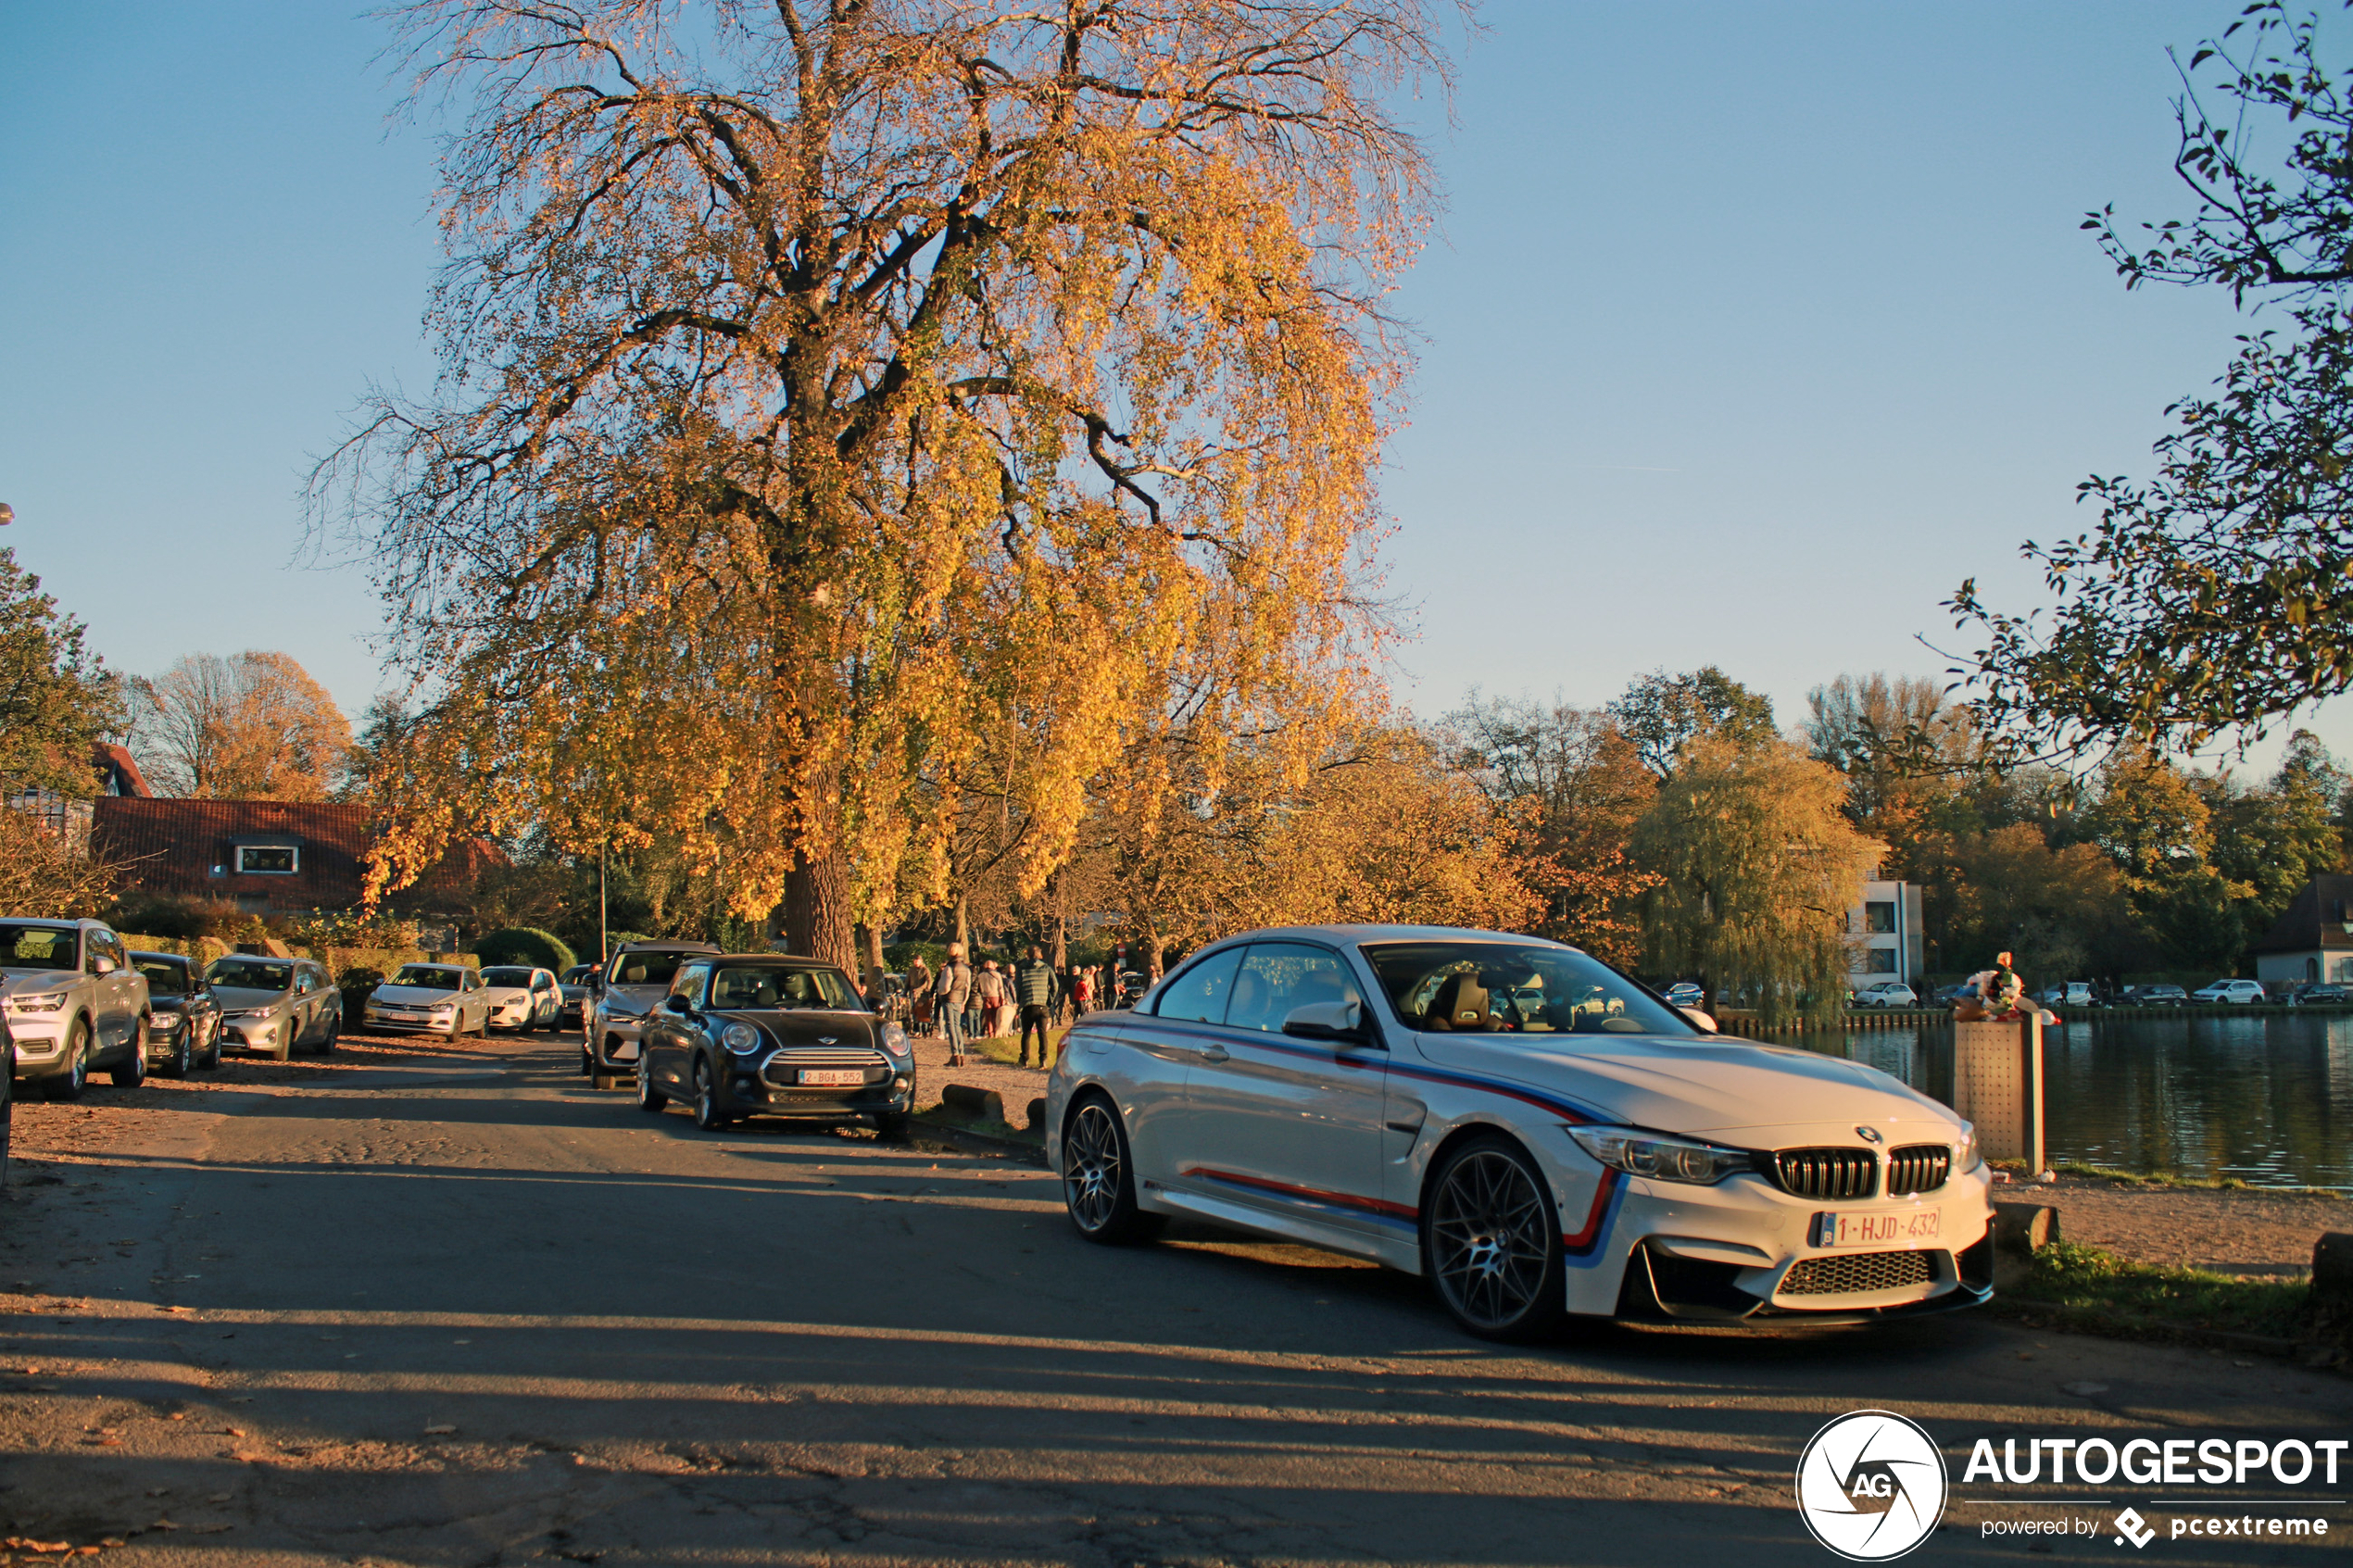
(1827, 1172)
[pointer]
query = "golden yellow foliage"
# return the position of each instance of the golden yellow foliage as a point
(850, 409)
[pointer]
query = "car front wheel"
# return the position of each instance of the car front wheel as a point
(707, 1116)
(1491, 1243)
(649, 1097)
(133, 1071)
(184, 1056)
(1099, 1177)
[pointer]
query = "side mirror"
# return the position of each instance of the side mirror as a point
(1705, 1025)
(101, 964)
(677, 1002)
(1339, 1022)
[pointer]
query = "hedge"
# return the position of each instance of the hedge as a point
(528, 946)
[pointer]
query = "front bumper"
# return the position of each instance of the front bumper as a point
(41, 1044)
(379, 1023)
(255, 1035)
(1745, 1251)
(767, 1089)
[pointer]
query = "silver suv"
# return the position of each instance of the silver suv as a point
(75, 1004)
(634, 978)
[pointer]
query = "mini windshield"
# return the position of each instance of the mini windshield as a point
(164, 979)
(508, 975)
(646, 969)
(1499, 987)
(429, 977)
(251, 974)
(36, 946)
(779, 986)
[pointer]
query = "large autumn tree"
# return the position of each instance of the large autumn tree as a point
(836, 392)
(251, 726)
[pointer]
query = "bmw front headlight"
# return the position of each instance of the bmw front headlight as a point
(1662, 1158)
(741, 1038)
(1967, 1155)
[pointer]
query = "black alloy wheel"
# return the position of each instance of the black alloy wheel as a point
(1099, 1178)
(707, 1115)
(1490, 1242)
(649, 1097)
(77, 1074)
(133, 1071)
(183, 1055)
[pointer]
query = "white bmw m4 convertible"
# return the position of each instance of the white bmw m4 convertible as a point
(1534, 1132)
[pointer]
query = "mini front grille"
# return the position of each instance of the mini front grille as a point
(1918, 1167)
(829, 1056)
(1854, 1273)
(1827, 1172)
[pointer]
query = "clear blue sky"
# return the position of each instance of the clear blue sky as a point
(1752, 328)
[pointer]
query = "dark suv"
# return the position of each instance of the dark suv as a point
(636, 975)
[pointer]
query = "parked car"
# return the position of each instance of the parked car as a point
(2069, 993)
(431, 998)
(635, 976)
(2234, 993)
(521, 998)
(2321, 993)
(2152, 997)
(276, 1007)
(574, 989)
(764, 1035)
(1596, 1153)
(1685, 994)
(1887, 994)
(184, 1029)
(75, 1004)
(7, 1092)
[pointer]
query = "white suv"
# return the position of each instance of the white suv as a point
(75, 1004)
(2238, 993)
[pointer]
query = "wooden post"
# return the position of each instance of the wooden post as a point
(1997, 1085)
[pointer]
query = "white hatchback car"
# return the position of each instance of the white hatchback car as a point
(521, 998)
(1518, 1122)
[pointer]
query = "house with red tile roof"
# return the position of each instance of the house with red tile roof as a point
(268, 855)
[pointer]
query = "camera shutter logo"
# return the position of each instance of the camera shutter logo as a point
(1871, 1485)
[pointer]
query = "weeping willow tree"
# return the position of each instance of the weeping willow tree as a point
(1758, 869)
(848, 406)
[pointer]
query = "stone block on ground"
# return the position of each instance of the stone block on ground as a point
(977, 1104)
(2023, 1228)
(1037, 1114)
(2332, 1266)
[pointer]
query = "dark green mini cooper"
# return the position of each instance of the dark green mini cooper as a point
(764, 1034)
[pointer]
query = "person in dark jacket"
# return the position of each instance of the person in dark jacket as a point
(1034, 992)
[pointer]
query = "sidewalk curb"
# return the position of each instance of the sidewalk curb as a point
(974, 1141)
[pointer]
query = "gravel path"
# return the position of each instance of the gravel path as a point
(2242, 1231)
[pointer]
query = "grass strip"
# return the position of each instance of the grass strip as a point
(2089, 1287)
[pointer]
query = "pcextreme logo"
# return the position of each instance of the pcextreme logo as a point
(1871, 1485)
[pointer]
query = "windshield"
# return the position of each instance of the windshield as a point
(507, 975)
(429, 977)
(646, 969)
(1485, 987)
(774, 986)
(251, 974)
(163, 979)
(579, 973)
(36, 946)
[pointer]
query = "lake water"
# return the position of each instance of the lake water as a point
(2268, 1100)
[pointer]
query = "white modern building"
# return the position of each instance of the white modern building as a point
(1885, 935)
(2313, 937)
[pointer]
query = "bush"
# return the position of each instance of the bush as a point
(178, 916)
(525, 945)
(358, 984)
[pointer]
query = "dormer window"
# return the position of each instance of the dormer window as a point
(269, 859)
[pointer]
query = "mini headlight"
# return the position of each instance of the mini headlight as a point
(894, 1039)
(1663, 1159)
(741, 1038)
(1966, 1157)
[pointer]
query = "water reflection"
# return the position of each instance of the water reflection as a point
(2269, 1100)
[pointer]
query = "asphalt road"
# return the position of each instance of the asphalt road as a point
(470, 1312)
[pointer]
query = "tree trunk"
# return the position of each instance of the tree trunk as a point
(870, 938)
(963, 927)
(1061, 945)
(817, 922)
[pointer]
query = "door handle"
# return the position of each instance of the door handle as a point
(1213, 1053)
